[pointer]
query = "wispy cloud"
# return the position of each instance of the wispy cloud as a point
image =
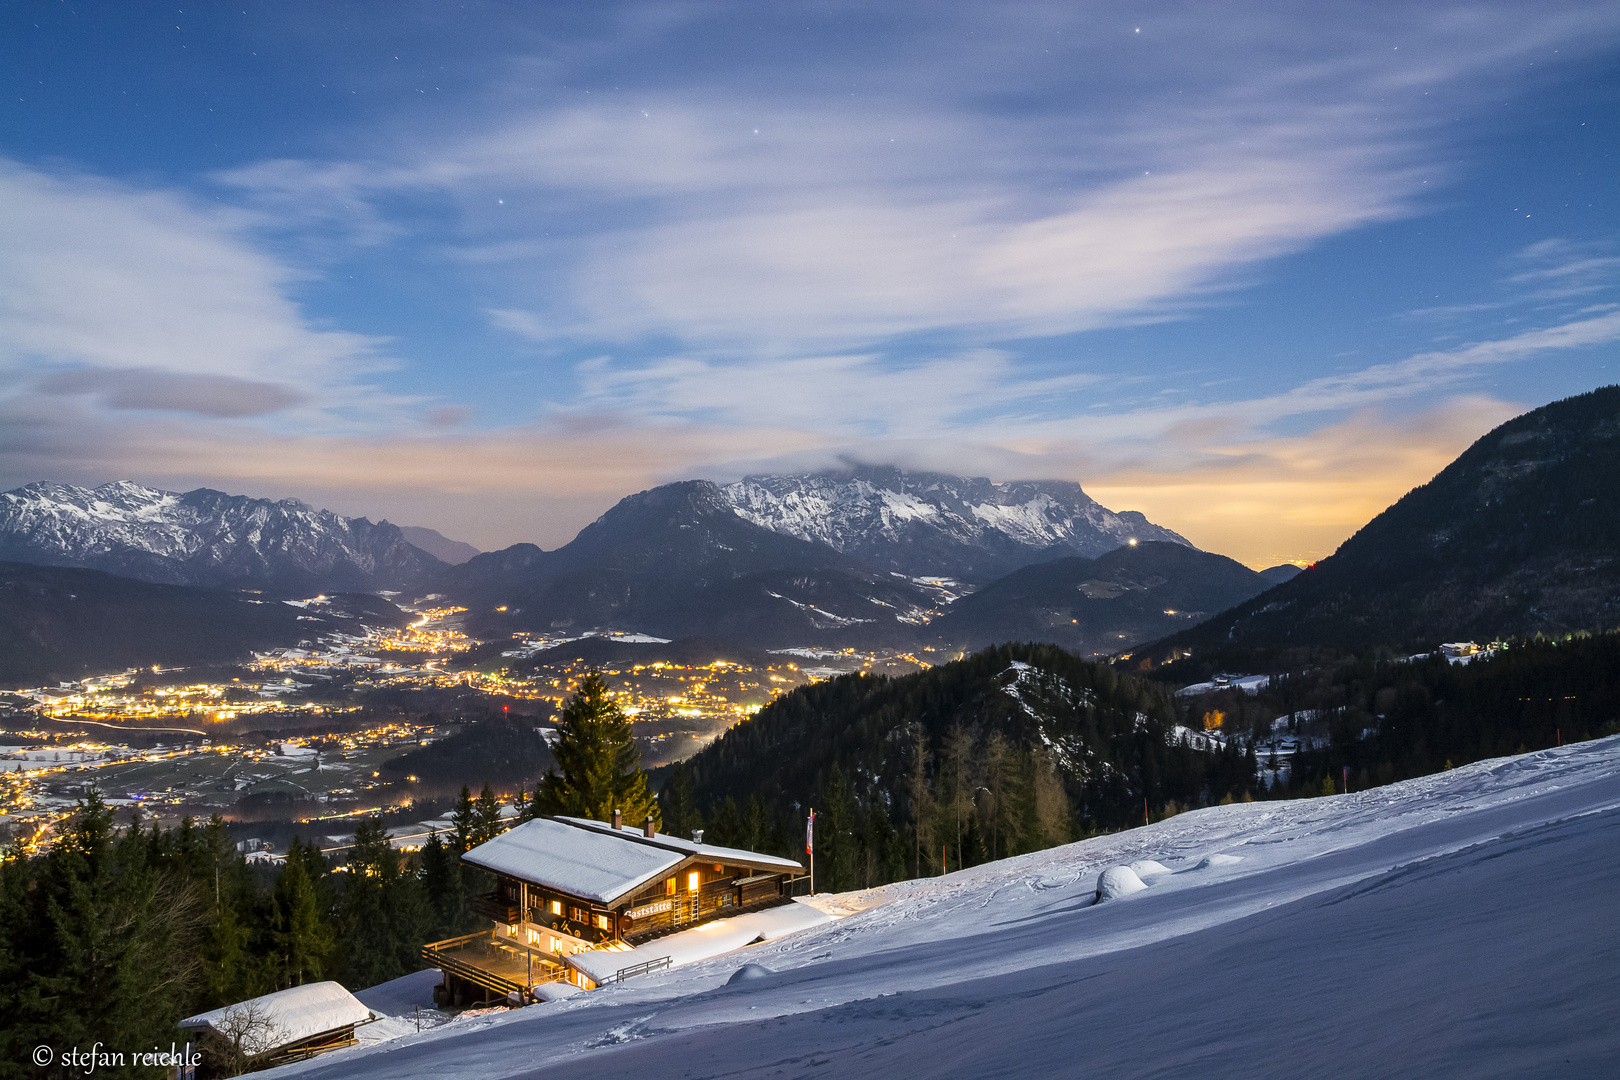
(148, 301)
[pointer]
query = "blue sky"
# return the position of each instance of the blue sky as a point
(1255, 270)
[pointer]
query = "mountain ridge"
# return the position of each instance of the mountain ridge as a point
(972, 529)
(677, 561)
(1520, 535)
(1097, 606)
(207, 538)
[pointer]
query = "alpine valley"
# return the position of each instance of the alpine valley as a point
(867, 557)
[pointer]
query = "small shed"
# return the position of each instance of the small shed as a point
(288, 1025)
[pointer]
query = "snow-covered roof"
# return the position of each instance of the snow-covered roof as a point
(594, 861)
(291, 1015)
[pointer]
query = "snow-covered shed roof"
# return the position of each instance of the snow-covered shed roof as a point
(291, 1015)
(594, 861)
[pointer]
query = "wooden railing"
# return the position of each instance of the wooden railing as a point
(642, 969)
(439, 954)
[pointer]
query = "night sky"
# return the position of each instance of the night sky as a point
(1254, 270)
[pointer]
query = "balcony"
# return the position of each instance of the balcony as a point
(495, 906)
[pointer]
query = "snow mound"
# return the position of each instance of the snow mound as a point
(748, 971)
(556, 991)
(1117, 882)
(1209, 862)
(1146, 868)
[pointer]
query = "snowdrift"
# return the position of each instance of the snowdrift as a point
(1456, 925)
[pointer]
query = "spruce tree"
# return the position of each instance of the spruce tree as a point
(678, 805)
(486, 817)
(753, 826)
(447, 895)
(728, 825)
(300, 938)
(465, 820)
(601, 767)
(383, 916)
(835, 840)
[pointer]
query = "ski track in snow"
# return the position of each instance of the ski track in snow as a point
(1460, 924)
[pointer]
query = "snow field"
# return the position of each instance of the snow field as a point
(1456, 925)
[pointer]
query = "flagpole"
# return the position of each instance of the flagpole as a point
(810, 847)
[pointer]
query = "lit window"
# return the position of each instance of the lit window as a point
(669, 887)
(556, 907)
(692, 881)
(602, 923)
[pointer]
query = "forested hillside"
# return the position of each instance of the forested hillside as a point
(1396, 719)
(1516, 537)
(1012, 749)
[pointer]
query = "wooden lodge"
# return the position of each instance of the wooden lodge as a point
(568, 885)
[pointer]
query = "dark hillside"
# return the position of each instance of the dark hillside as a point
(1519, 536)
(1107, 739)
(59, 624)
(1097, 606)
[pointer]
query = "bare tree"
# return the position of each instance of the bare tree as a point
(958, 760)
(1053, 810)
(243, 1033)
(920, 795)
(999, 763)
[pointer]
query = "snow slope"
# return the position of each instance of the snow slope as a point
(1457, 925)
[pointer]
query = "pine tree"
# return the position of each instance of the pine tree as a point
(110, 953)
(753, 825)
(383, 916)
(465, 820)
(300, 938)
(680, 813)
(600, 763)
(447, 895)
(835, 841)
(728, 825)
(486, 816)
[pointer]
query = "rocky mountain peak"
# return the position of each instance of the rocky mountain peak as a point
(934, 524)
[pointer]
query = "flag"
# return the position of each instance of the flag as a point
(810, 833)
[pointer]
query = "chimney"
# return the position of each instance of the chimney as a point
(647, 827)
(618, 818)
(697, 836)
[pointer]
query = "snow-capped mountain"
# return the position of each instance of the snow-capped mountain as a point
(675, 561)
(206, 537)
(933, 524)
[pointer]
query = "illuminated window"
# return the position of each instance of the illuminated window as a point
(669, 887)
(692, 881)
(603, 923)
(556, 907)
